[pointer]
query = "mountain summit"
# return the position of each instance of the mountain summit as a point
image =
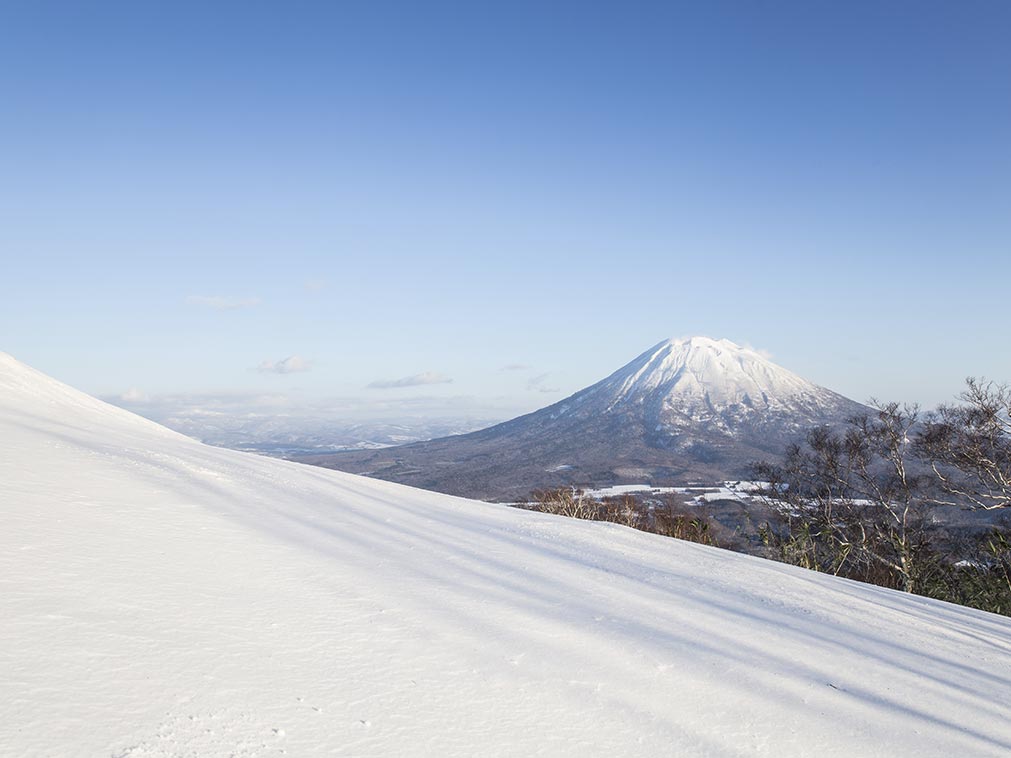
(690, 384)
(711, 372)
(686, 409)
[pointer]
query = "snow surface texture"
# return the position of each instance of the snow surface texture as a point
(165, 598)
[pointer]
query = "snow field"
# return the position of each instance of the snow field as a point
(159, 597)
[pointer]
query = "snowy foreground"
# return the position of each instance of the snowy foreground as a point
(159, 597)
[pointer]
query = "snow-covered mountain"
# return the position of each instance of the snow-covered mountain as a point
(687, 383)
(700, 385)
(686, 409)
(161, 597)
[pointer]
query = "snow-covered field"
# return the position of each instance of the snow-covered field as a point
(741, 491)
(159, 597)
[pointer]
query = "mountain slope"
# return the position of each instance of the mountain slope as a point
(692, 409)
(165, 598)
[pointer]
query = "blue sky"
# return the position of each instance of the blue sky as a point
(192, 194)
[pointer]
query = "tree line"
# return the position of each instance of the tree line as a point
(874, 501)
(879, 500)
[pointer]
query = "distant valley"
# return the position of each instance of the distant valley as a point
(286, 434)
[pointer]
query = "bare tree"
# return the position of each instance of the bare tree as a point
(968, 446)
(564, 501)
(858, 507)
(672, 517)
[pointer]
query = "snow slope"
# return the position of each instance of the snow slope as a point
(159, 597)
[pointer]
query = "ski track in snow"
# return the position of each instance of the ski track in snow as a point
(159, 597)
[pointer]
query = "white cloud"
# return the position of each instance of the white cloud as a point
(314, 285)
(134, 395)
(219, 303)
(515, 367)
(538, 384)
(416, 380)
(761, 351)
(293, 364)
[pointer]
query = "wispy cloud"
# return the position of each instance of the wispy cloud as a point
(761, 351)
(539, 384)
(515, 367)
(134, 395)
(293, 364)
(314, 285)
(220, 303)
(416, 380)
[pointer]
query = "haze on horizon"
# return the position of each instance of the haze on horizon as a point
(447, 211)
